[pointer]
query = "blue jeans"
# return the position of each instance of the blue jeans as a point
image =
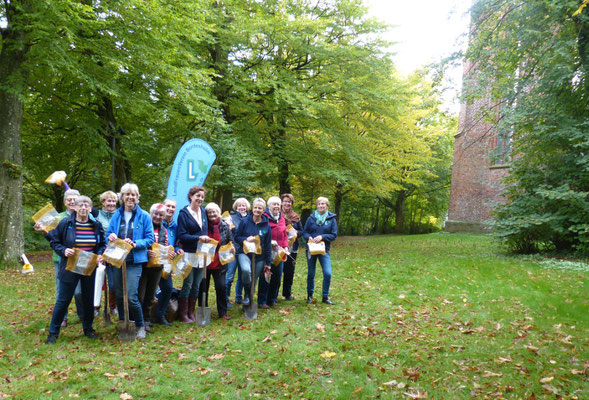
(268, 293)
(77, 295)
(325, 262)
(191, 284)
(245, 265)
(232, 267)
(66, 292)
(166, 286)
(110, 278)
(133, 276)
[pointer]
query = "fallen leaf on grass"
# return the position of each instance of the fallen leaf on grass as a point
(327, 354)
(412, 373)
(125, 396)
(320, 327)
(218, 356)
(390, 383)
(578, 372)
(533, 349)
(417, 395)
(503, 360)
(547, 379)
(488, 374)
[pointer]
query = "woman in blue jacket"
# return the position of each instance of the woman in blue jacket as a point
(321, 226)
(255, 224)
(241, 208)
(81, 230)
(134, 226)
(192, 227)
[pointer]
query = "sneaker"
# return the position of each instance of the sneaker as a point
(140, 333)
(289, 298)
(226, 317)
(114, 312)
(91, 334)
(309, 299)
(229, 305)
(96, 312)
(64, 323)
(148, 327)
(264, 306)
(245, 302)
(51, 339)
(327, 301)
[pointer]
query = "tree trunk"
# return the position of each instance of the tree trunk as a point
(12, 84)
(283, 172)
(399, 217)
(121, 169)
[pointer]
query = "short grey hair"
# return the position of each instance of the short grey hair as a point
(213, 206)
(259, 200)
(70, 192)
(129, 187)
(83, 199)
(273, 200)
(325, 199)
(156, 207)
(243, 200)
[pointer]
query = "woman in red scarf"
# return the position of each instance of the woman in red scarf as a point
(291, 218)
(220, 231)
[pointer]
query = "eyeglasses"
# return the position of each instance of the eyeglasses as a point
(84, 205)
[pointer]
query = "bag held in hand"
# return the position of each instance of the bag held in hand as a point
(316, 248)
(47, 217)
(226, 253)
(291, 234)
(205, 252)
(82, 262)
(161, 255)
(182, 265)
(252, 247)
(278, 256)
(227, 218)
(116, 252)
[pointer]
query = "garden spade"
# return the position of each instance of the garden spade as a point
(203, 314)
(251, 310)
(127, 331)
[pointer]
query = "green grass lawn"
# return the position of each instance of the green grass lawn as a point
(435, 316)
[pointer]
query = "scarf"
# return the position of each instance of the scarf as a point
(320, 218)
(215, 233)
(291, 217)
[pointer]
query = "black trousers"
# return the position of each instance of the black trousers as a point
(219, 276)
(288, 274)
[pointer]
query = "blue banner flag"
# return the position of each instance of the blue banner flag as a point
(191, 167)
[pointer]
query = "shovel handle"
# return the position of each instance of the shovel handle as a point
(252, 290)
(125, 295)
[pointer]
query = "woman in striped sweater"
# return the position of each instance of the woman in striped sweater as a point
(82, 231)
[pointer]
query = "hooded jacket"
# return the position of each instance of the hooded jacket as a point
(328, 230)
(142, 231)
(247, 227)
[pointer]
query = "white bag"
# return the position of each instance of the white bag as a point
(98, 283)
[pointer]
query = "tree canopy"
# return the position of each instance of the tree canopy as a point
(293, 95)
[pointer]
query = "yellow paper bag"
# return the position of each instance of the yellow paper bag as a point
(116, 252)
(205, 252)
(82, 262)
(182, 265)
(161, 255)
(278, 256)
(316, 248)
(291, 234)
(47, 217)
(226, 253)
(226, 216)
(252, 247)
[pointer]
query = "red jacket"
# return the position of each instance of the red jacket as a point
(278, 229)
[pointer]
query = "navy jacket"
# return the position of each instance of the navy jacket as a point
(247, 227)
(64, 237)
(188, 231)
(328, 230)
(142, 232)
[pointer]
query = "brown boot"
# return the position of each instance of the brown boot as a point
(191, 307)
(112, 302)
(183, 311)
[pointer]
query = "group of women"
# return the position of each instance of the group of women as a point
(263, 225)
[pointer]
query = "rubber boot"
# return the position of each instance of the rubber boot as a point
(183, 311)
(191, 307)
